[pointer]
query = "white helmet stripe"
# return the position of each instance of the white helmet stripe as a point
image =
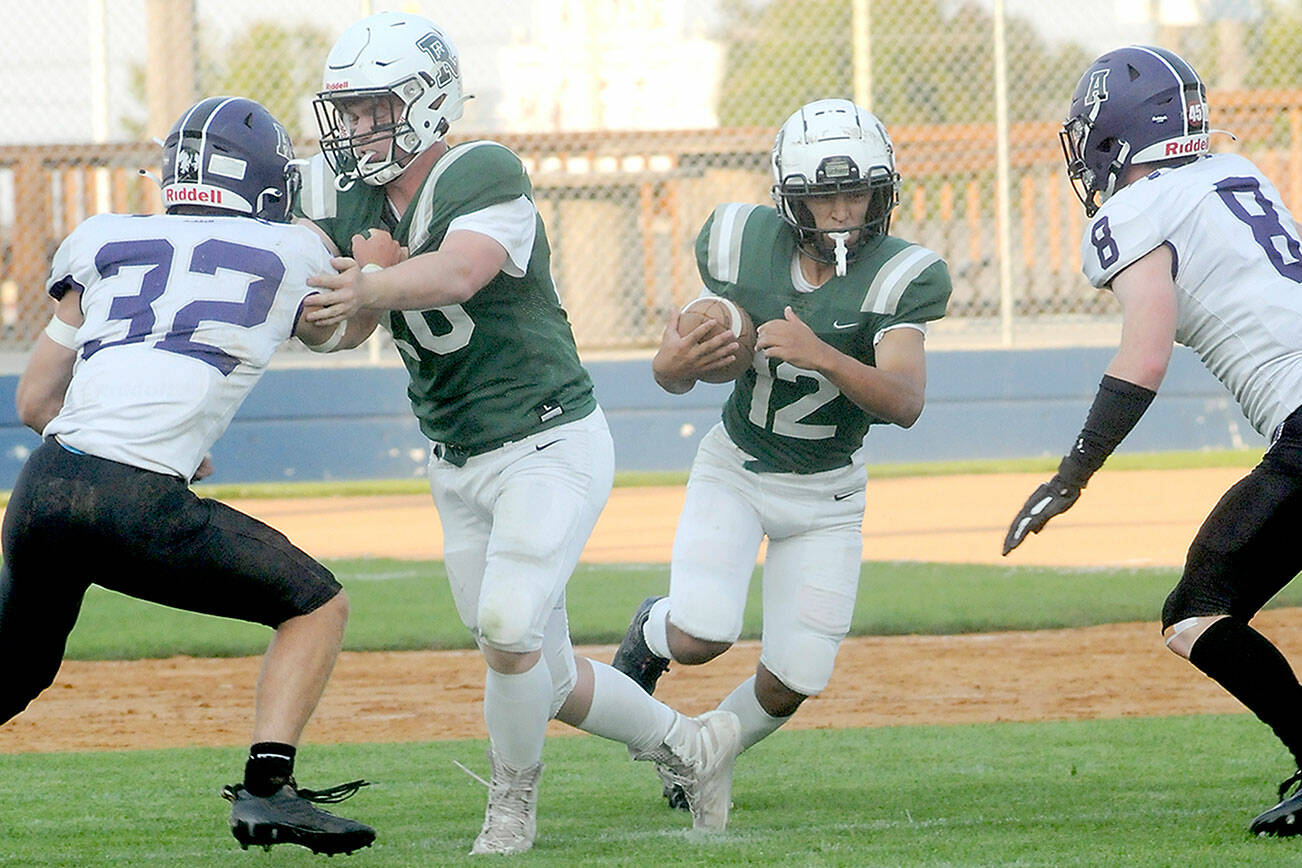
(203, 136)
(1179, 81)
(180, 136)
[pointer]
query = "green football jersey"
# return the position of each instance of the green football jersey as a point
(790, 419)
(503, 364)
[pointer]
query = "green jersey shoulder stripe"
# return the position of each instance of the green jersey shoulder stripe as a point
(726, 231)
(318, 198)
(894, 277)
(423, 217)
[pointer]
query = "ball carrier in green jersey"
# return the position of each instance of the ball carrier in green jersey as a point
(841, 308)
(457, 266)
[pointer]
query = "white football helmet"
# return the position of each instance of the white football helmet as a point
(400, 72)
(832, 146)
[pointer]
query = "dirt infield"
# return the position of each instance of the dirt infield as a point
(1131, 518)
(1126, 518)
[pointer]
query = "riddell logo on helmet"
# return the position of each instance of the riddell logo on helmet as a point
(183, 194)
(336, 85)
(1187, 146)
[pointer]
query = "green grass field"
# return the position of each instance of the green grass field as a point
(1176, 791)
(1162, 791)
(405, 605)
(1148, 792)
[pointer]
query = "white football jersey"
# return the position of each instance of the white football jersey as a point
(182, 315)
(1238, 266)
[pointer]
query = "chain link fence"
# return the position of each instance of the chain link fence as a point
(636, 117)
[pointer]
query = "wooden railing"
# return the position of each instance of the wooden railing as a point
(622, 209)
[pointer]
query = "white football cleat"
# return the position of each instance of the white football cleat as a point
(703, 751)
(511, 818)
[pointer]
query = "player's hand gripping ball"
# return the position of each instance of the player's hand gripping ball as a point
(727, 316)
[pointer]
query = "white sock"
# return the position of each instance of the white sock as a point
(756, 723)
(624, 712)
(515, 711)
(654, 631)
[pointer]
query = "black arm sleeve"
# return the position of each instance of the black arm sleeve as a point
(1117, 406)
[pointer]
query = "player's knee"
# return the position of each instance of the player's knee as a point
(338, 606)
(1195, 603)
(1181, 636)
(562, 685)
(332, 615)
(506, 615)
(1187, 603)
(801, 664)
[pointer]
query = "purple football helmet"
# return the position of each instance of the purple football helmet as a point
(1136, 104)
(229, 154)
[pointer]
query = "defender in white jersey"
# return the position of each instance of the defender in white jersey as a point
(1198, 249)
(163, 325)
(841, 307)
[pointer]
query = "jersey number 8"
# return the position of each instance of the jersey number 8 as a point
(1268, 230)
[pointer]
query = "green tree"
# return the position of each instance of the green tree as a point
(279, 67)
(1257, 48)
(931, 62)
(1275, 44)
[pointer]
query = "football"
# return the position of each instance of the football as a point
(726, 315)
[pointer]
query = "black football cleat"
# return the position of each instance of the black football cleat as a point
(288, 816)
(1286, 817)
(673, 791)
(634, 658)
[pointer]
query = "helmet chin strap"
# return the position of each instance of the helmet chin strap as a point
(840, 252)
(344, 181)
(1114, 173)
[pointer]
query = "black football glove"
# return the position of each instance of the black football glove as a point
(1052, 498)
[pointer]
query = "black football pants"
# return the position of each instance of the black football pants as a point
(74, 520)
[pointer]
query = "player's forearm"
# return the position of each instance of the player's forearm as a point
(675, 383)
(893, 396)
(429, 280)
(1117, 408)
(360, 327)
(39, 395)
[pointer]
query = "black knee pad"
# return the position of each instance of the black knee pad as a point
(1203, 590)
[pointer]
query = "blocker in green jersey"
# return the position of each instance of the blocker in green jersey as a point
(444, 246)
(841, 309)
